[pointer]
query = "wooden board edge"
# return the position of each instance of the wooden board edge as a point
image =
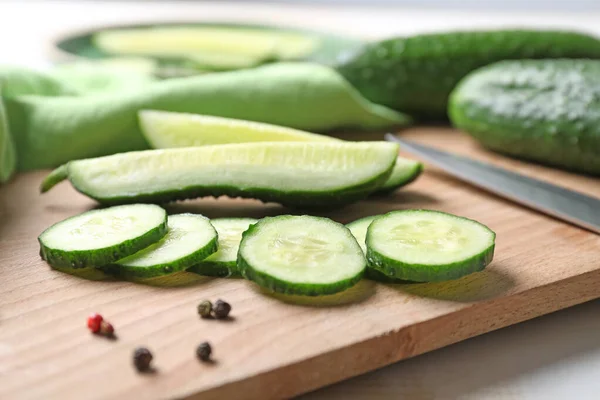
(436, 333)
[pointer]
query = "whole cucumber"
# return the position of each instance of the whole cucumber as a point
(51, 131)
(541, 110)
(416, 74)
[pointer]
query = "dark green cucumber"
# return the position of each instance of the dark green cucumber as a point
(100, 237)
(190, 239)
(223, 263)
(299, 174)
(428, 246)
(301, 255)
(546, 111)
(416, 74)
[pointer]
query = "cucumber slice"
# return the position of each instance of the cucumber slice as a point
(163, 129)
(405, 171)
(428, 246)
(181, 41)
(307, 174)
(301, 255)
(359, 230)
(223, 263)
(190, 239)
(99, 237)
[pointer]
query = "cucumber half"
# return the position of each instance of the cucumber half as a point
(223, 263)
(428, 246)
(305, 174)
(190, 239)
(99, 237)
(164, 129)
(301, 255)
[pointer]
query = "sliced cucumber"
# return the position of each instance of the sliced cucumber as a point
(301, 255)
(223, 263)
(359, 230)
(181, 41)
(190, 239)
(99, 237)
(427, 246)
(163, 129)
(307, 174)
(405, 171)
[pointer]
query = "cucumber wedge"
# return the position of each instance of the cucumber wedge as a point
(190, 239)
(163, 130)
(301, 255)
(428, 246)
(223, 263)
(296, 174)
(100, 237)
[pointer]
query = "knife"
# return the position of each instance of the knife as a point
(568, 205)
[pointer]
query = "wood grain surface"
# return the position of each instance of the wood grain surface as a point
(274, 346)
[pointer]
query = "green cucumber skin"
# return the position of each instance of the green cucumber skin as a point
(428, 273)
(378, 276)
(129, 272)
(416, 74)
(279, 286)
(546, 111)
(100, 257)
(296, 95)
(216, 269)
(295, 199)
(394, 183)
(8, 152)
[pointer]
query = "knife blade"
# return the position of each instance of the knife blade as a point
(567, 205)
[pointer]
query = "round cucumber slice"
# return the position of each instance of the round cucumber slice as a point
(427, 246)
(223, 263)
(298, 174)
(99, 237)
(359, 230)
(301, 255)
(190, 239)
(164, 129)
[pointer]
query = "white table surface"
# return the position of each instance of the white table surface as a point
(553, 357)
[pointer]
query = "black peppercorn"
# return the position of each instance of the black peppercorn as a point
(221, 309)
(203, 351)
(142, 358)
(205, 308)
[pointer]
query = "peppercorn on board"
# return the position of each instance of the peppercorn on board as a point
(273, 346)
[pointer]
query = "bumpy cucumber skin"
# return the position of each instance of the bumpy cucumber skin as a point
(279, 286)
(131, 272)
(216, 269)
(428, 273)
(296, 95)
(416, 74)
(99, 257)
(547, 111)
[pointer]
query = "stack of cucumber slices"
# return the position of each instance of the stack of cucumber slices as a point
(290, 254)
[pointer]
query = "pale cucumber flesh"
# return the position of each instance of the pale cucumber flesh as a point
(99, 237)
(190, 239)
(223, 263)
(301, 255)
(163, 129)
(425, 245)
(308, 174)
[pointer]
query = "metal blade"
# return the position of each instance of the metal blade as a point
(565, 204)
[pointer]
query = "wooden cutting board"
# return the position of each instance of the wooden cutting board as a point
(274, 346)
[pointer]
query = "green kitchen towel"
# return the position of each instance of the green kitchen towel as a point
(49, 131)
